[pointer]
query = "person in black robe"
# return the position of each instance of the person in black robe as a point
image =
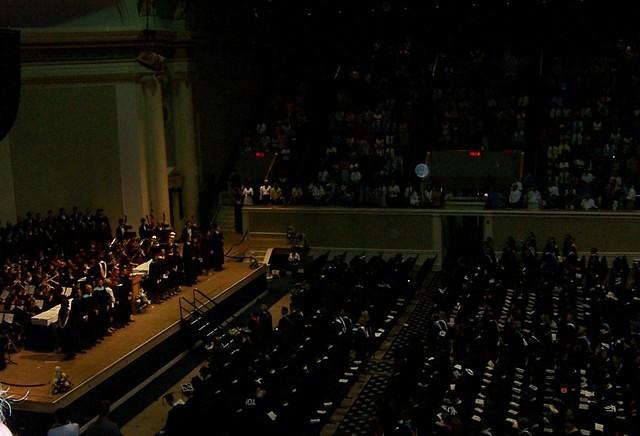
(122, 293)
(63, 319)
(189, 257)
(91, 311)
(153, 282)
(217, 245)
(207, 249)
(103, 307)
(144, 231)
(74, 326)
(121, 230)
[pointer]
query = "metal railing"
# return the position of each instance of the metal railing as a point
(190, 312)
(271, 165)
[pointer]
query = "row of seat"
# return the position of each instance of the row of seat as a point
(290, 379)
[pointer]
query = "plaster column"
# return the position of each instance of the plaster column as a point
(156, 148)
(185, 143)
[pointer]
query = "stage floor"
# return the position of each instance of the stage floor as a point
(113, 353)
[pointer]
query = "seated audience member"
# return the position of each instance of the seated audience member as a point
(176, 416)
(588, 203)
(62, 425)
(297, 195)
(534, 199)
(630, 198)
(275, 194)
(515, 196)
(104, 426)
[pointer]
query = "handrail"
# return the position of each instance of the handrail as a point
(199, 303)
(206, 297)
(271, 165)
(216, 213)
(182, 309)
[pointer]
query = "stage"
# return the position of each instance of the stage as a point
(156, 330)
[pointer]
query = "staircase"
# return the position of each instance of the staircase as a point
(226, 219)
(207, 319)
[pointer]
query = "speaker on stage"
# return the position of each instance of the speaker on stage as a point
(9, 78)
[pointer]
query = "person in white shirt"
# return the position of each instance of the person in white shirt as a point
(247, 195)
(515, 195)
(588, 203)
(265, 192)
(587, 177)
(533, 198)
(414, 199)
(631, 197)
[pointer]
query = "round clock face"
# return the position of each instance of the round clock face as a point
(422, 170)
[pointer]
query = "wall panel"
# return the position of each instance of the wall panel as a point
(65, 151)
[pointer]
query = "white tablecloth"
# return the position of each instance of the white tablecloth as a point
(46, 318)
(143, 268)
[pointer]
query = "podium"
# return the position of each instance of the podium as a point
(136, 280)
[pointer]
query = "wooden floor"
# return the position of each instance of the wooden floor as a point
(85, 370)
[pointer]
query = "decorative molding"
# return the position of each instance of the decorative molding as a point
(100, 71)
(51, 38)
(105, 45)
(82, 72)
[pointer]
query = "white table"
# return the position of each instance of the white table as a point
(143, 268)
(46, 318)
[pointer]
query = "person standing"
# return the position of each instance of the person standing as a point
(73, 330)
(247, 194)
(217, 245)
(238, 199)
(265, 192)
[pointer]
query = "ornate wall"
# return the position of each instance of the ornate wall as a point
(97, 129)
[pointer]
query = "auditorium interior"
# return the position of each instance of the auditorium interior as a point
(336, 217)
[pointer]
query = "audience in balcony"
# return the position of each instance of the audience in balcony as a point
(396, 99)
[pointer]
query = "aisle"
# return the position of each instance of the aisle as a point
(359, 418)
